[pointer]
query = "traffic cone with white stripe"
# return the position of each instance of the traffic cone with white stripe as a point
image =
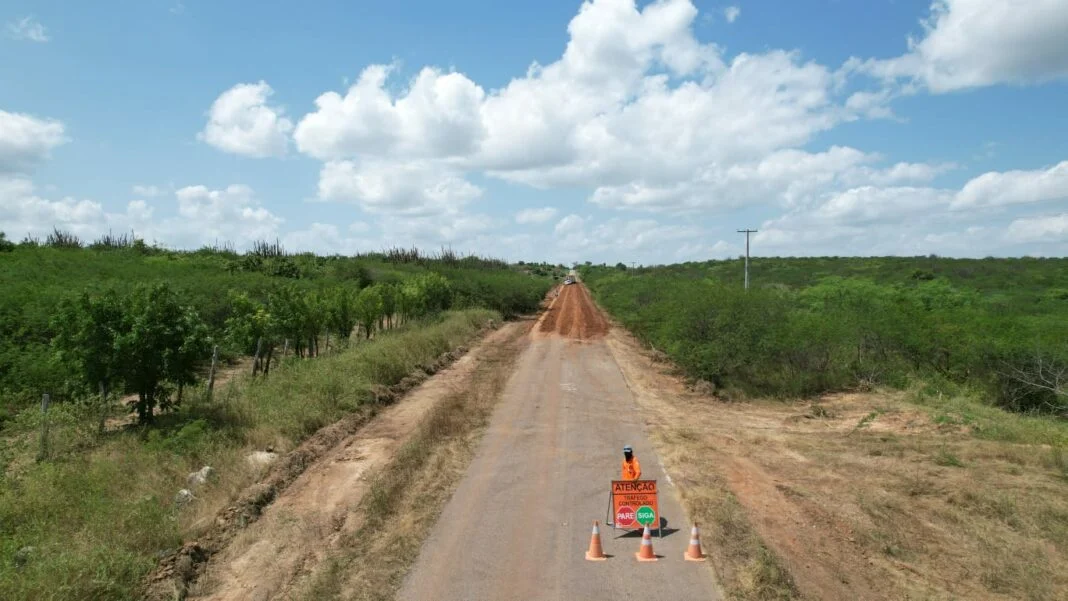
(694, 553)
(595, 553)
(646, 551)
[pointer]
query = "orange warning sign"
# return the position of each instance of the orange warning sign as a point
(634, 504)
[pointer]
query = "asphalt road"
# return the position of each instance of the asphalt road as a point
(519, 522)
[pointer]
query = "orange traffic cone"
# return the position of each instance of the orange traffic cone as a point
(694, 553)
(595, 553)
(646, 552)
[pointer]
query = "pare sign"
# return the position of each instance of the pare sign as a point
(634, 504)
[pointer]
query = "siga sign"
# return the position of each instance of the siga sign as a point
(634, 504)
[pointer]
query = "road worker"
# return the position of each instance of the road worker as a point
(632, 470)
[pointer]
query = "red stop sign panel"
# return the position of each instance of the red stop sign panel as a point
(625, 516)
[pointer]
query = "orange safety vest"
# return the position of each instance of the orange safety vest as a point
(632, 470)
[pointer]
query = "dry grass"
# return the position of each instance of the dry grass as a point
(409, 494)
(741, 559)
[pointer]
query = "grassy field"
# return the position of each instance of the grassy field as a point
(91, 523)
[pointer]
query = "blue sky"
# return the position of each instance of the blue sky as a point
(647, 132)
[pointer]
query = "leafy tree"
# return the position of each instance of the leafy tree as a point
(435, 291)
(290, 310)
(369, 308)
(195, 346)
(159, 343)
(249, 321)
(316, 310)
(412, 302)
(341, 312)
(390, 301)
(6, 245)
(86, 330)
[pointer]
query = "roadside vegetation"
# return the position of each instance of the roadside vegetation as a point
(809, 326)
(893, 427)
(408, 495)
(89, 498)
(309, 298)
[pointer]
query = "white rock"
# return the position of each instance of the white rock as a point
(183, 497)
(261, 459)
(200, 477)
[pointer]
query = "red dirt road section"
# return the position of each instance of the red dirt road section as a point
(518, 525)
(573, 315)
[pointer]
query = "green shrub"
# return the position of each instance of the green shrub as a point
(304, 289)
(817, 325)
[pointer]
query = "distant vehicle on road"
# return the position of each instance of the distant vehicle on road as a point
(569, 280)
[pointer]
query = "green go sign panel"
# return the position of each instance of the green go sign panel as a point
(646, 516)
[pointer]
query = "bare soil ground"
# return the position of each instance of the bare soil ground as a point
(573, 315)
(857, 496)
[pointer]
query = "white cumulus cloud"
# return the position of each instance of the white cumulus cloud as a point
(535, 215)
(636, 109)
(895, 219)
(1046, 228)
(571, 223)
(146, 191)
(26, 28)
(241, 121)
(413, 188)
(233, 214)
(972, 43)
(1015, 187)
(201, 216)
(26, 140)
(24, 212)
(436, 116)
(731, 13)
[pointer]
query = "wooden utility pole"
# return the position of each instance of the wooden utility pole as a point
(747, 231)
(43, 453)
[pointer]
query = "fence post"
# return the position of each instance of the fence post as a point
(211, 374)
(256, 359)
(43, 453)
(103, 407)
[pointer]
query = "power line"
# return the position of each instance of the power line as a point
(747, 231)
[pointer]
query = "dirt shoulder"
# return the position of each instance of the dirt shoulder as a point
(858, 496)
(281, 528)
